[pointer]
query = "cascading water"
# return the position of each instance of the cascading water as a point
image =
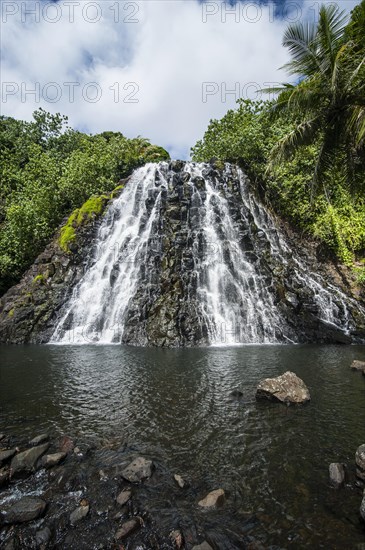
(186, 256)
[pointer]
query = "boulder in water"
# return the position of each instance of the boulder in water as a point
(287, 388)
(358, 365)
(360, 462)
(26, 509)
(138, 470)
(6, 455)
(123, 497)
(214, 499)
(27, 460)
(66, 444)
(176, 538)
(179, 480)
(236, 394)
(337, 474)
(128, 528)
(43, 438)
(48, 461)
(79, 513)
(42, 537)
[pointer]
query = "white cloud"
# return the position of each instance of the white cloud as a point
(168, 53)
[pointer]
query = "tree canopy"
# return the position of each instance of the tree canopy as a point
(47, 170)
(305, 151)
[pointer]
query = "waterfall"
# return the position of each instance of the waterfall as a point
(187, 255)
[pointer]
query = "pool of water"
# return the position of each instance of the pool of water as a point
(175, 406)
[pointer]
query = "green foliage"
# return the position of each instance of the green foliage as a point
(313, 132)
(39, 279)
(47, 170)
(91, 209)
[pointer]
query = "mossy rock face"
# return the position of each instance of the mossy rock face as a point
(92, 209)
(39, 279)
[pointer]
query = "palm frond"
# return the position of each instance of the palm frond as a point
(303, 134)
(299, 38)
(331, 27)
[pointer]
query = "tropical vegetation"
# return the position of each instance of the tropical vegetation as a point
(305, 151)
(47, 171)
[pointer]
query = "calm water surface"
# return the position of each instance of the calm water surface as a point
(175, 406)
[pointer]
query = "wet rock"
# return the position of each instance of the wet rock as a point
(123, 497)
(6, 455)
(79, 513)
(43, 536)
(362, 507)
(360, 462)
(4, 476)
(287, 388)
(43, 438)
(176, 538)
(358, 365)
(337, 474)
(179, 480)
(26, 461)
(214, 499)
(236, 394)
(66, 444)
(48, 461)
(203, 546)
(26, 509)
(138, 470)
(129, 527)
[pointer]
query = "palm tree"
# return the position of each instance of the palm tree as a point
(328, 102)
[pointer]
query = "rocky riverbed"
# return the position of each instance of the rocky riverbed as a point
(55, 493)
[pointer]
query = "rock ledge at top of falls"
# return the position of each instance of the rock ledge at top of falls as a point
(175, 200)
(287, 388)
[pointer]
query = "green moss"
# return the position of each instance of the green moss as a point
(11, 313)
(116, 191)
(90, 210)
(39, 279)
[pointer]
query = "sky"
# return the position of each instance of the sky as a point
(160, 69)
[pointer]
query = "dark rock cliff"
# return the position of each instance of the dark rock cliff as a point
(297, 300)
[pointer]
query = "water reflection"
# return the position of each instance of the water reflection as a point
(175, 405)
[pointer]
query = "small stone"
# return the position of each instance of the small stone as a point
(78, 514)
(4, 476)
(66, 444)
(43, 536)
(179, 480)
(6, 455)
(123, 497)
(237, 394)
(214, 499)
(176, 538)
(43, 438)
(358, 365)
(128, 528)
(26, 461)
(48, 461)
(203, 546)
(337, 474)
(137, 470)
(287, 388)
(2, 436)
(26, 509)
